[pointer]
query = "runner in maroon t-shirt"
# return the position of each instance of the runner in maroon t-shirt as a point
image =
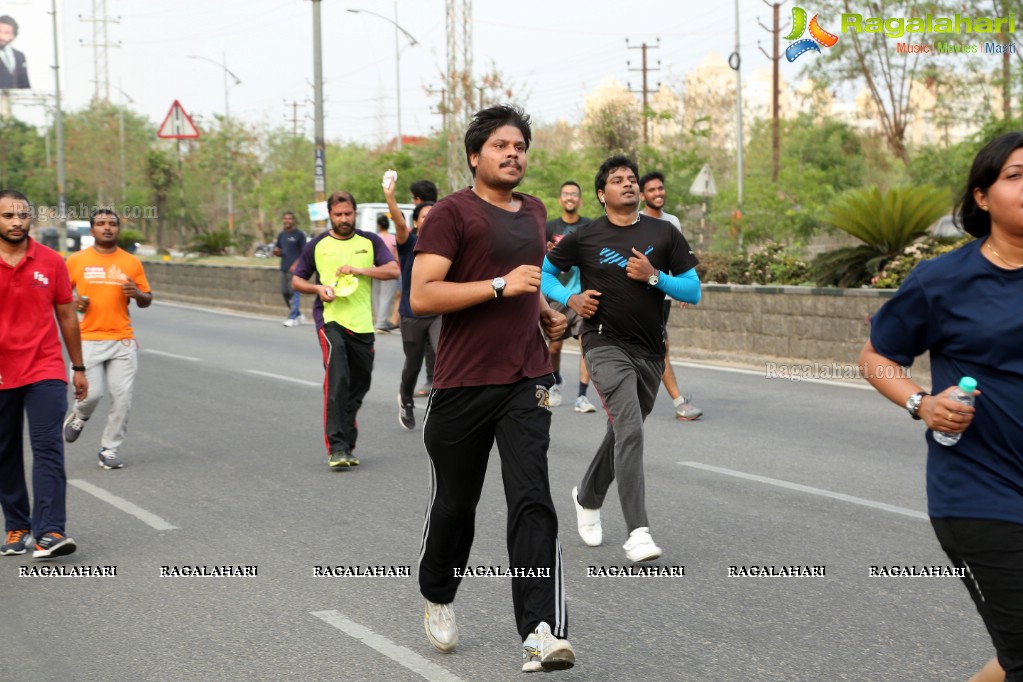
(479, 266)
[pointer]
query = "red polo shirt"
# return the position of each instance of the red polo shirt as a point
(30, 348)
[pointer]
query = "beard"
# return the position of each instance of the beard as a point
(5, 236)
(343, 229)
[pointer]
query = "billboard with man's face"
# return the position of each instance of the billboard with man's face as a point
(13, 64)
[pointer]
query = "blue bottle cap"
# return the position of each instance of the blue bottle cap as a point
(967, 384)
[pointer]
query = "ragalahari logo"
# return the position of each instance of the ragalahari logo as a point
(817, 35)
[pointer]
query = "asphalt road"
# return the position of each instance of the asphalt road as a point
(226, 466)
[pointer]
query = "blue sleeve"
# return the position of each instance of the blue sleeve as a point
(305, 265)
(550, 286)
(684, 287)
(905, 327)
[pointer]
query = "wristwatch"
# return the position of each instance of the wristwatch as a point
(913, 404)
(498, 284)
(653, 279)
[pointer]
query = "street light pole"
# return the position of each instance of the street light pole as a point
(120, 132)
(397, 55)
(227, 138)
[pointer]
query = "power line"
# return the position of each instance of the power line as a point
(645, 90)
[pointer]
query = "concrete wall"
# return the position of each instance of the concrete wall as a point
(815, 332)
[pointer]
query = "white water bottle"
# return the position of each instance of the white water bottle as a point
(962, 394)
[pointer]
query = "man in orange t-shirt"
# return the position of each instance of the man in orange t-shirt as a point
(106, 278)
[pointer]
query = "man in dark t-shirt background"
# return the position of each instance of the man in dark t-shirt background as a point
(627, 263)
(478, 265)
(289, 245)
(570, 199)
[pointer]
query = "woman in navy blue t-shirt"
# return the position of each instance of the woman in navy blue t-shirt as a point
(966, 309)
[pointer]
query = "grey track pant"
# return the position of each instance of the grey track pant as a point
(110, 367)
(627, 386)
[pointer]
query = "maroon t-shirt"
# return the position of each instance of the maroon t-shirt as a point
(497, 342)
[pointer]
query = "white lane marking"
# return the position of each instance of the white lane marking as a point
(281, 377)
(861, 385)
(398, 654)
(148, 518)
(170, 355)
(807, 489)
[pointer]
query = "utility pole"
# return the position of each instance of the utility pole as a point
(459, 86)
(646, 108)
(59, 126)
(100, 44)
(319, 151)
(294, 116)
(735, 62)
(775, 91)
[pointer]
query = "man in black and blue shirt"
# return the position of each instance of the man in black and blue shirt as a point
(627, 263)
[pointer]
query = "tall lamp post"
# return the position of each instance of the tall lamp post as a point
(397, 54)
(227, 140)
(120, 132)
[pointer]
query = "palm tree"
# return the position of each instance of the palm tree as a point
(885, 223)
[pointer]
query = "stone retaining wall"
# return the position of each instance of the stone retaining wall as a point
(816, 332)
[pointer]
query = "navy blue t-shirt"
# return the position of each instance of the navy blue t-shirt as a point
(406, 256)
(290, 243)
(968, 313)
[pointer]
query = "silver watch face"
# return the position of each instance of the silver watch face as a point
(654, 279)
(498, 283)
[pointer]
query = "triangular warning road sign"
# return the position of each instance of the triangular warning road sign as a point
(178, 124)
(703, 185)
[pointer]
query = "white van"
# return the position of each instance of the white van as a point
(366, 216)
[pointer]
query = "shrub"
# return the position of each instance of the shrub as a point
(898, 268)
(886, 224)
(211, 243)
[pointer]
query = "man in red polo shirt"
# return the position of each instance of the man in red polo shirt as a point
(34, 284)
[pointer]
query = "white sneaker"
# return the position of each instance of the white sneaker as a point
(301, 318)
(588, 522)
(291, 322)
(542, 651)
(440, 627)
(554, 396)
(640, 546)
(583, 404)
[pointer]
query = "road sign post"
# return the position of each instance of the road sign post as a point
(177, 125)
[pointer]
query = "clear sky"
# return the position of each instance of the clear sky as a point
(551, 52)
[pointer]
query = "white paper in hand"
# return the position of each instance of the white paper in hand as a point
(390, 177)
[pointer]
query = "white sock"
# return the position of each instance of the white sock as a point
(678, 401)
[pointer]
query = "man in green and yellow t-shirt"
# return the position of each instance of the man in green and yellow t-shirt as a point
(345, 260)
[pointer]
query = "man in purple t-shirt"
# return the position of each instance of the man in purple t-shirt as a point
(479, 266)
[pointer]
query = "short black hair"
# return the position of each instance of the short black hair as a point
(340, 197)
(419, 209)
(287, 213)
(383, 222)
(986, 167)
(424, 190)
(613, 163)
(14, 194)
(103, 211)
(647, 177)
(9, 20)
(570, 183)
(486, 121)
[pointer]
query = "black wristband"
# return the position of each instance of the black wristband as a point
(78, 368)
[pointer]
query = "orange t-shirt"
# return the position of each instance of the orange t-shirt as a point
(99, 277)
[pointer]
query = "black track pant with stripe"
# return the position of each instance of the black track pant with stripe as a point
(460, 429)
(348, 361)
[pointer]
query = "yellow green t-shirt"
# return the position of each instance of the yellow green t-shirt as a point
(324, 255)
